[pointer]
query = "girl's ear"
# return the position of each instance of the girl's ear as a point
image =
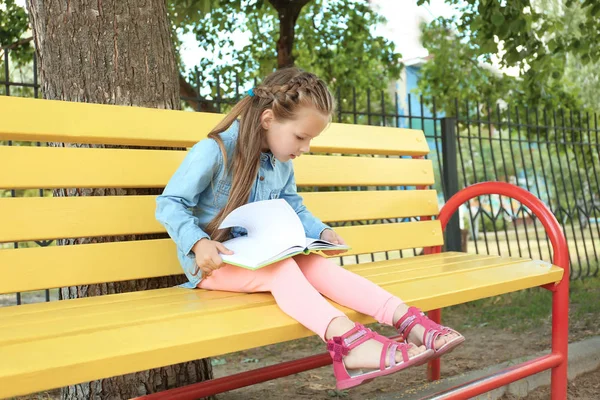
(266, 119)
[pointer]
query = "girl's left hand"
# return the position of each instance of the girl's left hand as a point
(331, 236)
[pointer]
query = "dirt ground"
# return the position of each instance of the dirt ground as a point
(320, 383)
(584, 387)
(484, 346)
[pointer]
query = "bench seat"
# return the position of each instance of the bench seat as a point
(55, 344)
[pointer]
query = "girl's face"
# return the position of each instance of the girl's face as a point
(289, 139)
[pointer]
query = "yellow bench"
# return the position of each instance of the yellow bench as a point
(49, 345)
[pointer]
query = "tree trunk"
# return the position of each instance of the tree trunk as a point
(111, 52)
(288, 11)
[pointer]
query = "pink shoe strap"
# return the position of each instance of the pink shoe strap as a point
(390, 350)
(413, 317)
(390, 347)
(408, 321)
(340, 346)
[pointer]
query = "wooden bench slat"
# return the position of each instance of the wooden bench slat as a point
(102, 301)
(12, 314)
(68, 359)
(39, 325)
(416, 262)
(398, 236)
(41, 218)
(64, 167)
(21, 269)
(137, 126)
(362, 171)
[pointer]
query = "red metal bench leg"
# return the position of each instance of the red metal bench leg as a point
(560, 338)
(433, 367)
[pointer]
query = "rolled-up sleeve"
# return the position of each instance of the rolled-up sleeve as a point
(313, 227)
(183, 191)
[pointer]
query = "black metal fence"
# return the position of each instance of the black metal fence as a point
(552, 153)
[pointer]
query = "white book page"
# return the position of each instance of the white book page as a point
(247, 251)
(273, 226)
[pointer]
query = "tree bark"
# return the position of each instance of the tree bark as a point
(111, 52)
(288, 11)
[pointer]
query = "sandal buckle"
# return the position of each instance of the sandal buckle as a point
(338, 347)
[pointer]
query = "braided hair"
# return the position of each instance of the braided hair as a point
(284, 91)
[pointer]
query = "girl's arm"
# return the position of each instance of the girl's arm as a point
(183, 191)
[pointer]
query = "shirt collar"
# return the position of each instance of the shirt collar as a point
(268, 157)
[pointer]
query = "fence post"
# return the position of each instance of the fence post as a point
(450, 177)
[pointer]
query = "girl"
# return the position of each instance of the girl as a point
(247, 157)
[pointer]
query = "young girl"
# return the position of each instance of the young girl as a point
(247, 157)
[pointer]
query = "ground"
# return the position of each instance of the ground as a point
(584, 387)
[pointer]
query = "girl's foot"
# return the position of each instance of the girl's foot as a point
(368, 354)
(354, 359)
(420, 330)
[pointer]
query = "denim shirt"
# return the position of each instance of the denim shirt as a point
(200, 187)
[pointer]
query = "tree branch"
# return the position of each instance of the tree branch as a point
(288, 12)
(18, 43)
(189, 94)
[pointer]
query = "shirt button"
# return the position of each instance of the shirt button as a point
(262, 178)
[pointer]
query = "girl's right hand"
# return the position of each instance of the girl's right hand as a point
(207, 255)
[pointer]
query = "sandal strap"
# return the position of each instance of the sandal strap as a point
(390, 347)
(337, 349)
(415, 316)
(340, 346)
(408, 321)
(389, 350)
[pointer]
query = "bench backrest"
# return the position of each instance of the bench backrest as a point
(375, 160)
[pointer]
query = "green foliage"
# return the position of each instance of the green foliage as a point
(13, 25)
(15, 41)
(550, 43)
(333, 39)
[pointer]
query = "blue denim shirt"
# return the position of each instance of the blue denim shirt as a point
(199, 189)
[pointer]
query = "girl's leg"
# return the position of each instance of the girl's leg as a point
(292, 292)
(299, 299)
(353, 291)
(349, 289)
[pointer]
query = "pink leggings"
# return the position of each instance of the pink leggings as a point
(296, 283)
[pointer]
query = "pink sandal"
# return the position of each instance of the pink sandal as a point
(413, 317)
(340, 346)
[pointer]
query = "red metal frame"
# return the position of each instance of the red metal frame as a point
(557, 360)
(560, 294)
(434, 366)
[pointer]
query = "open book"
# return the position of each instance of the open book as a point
(275, 232)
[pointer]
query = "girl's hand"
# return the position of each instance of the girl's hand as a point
(331, 236)
(207, 256)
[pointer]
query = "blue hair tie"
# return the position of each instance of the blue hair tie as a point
(251, 92)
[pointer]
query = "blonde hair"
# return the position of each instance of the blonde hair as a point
(284, 91)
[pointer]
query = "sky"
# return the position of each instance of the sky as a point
(404, 18)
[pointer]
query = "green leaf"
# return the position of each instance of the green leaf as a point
(498, 19)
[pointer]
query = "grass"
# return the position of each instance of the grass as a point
(520, 311)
